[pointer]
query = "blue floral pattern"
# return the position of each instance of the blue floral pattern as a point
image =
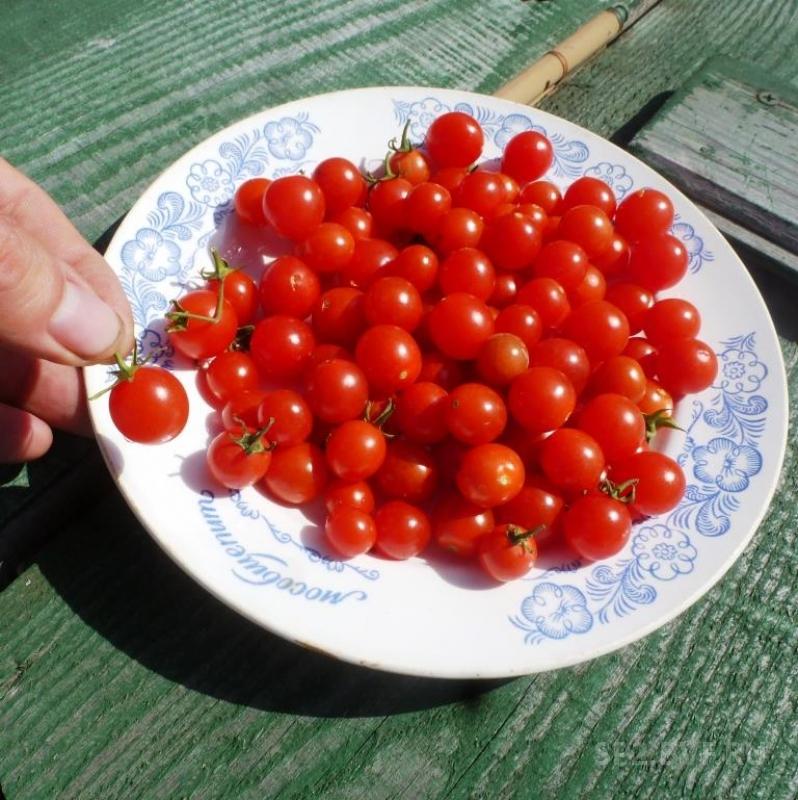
(553, 611)
(663, 552)
(697, 252)
(209, 183)
(290, 137)
(614, 175)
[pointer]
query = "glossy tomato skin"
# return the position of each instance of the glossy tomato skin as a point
(282, 347)
(336, 390)
(289, 286)
(538, 503)
(548, 298)
(512, 241)
(421, 412)
(592, 192)
(459, 324)
(339, 316)
(389, 357)
(587, 226)
(230, 463)
(393, 301)
(294, 206)
(686, 366)
(418, 264)
(475, 414)
(341, 184)
(563, 261)
(527, 156)
(658, 262)
(460, 227)
(670, 319)
(291, 415)
(458, 524)
(504, 558)
(596, 526)
(370, 260)
(248, 201)
(642, 351)
(425, 207)
(544, 194)
(503, 357)
(634, 300)
(481, 192)
(328, 248)
(454, 139)
(616, 423)
(241, 292)
(644, 213)
(387, 204)
(355, 450)
(403, 530)
(505, 290)
(242, 408)
(297, 474)
(490, 474)
(440, 369)
(409, 472)
(467, 270)
(350, 531)
(572, 460)
(356, 220)
(199, 339)
(655, 398)
(151, 407)
(541, 399)
(619, 375)
(593, 287)
(614, 261)
(229, 373)
(354, 494)
(522, 321)
(600, 328)
(660, 481)
(564, 355)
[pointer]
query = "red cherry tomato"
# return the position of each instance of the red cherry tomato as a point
(587, 226)
(587, 191)
(336, 390)
(449, 177)
(389, 357)
(619, 375)
(248, 200)
(616, 423)
(229, 373)
(460, 227)
(341, 184)
(403, 530)
(339, 316)
(294, 205)
(522, 321)
(505, 290)
(544, 194)
(357, 221)
(425, 207)
(642, 351)
(459, 524)
(291, 415)
(644, 213)
(197, 338)
(350, 532)
(507, 553)
(563, 261)
(686, 366)
(409, 472)
(512, 241)
(658, 262)
(242, 409)
(282, 347)
(454, 139)
(655, 399)
(289, 286)
(393, 301)
(596, 526)
(387, 204)
(660, 482)
(421, 412)
(417, 264)
(459, 324)
(241, 292)
(355, 450)
(297, 473)
(633, 300)
(369, 261)
(527, 156)
(541, 399)
(502, 357)
(538, 503)
(564, 355)
(548, 298)
(600, 327)
(509, 186)
(150, 406)
(328, 248)
(614, 261)
(481, 192)
(238, 458)
(353, 494)
(671, 319)
(476, 414)
(467, 270)
(490, 474)
(436, 368)
(572, 460)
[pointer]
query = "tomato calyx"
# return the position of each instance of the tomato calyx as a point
(404, 146)
(378, 415)
(124, 370)
(521, 537)
(179, 318)
(659, 419)
(252, 442)
(221, 268)
(624, 492)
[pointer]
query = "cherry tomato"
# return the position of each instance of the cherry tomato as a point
(403, 530)
(548, 298)
(507, 553)
(297, 473)
(436, 368)
(512, 241)
(527, 156)
(600, 327)
(564, 355)
(686, 366)
(238, 458)
(357, 221)
(534, 212)
(593, 287)
(353, 494)
(386, 202)
(658, 262)
(544, 194)
(229, 373)
(660, 482)
(614, 261)
(369, 261)
(328, 248)
(282, 346)
(389, 357)
(426, 206)
(393, 301)
(242, 409)
(409, 472)
(475, 414)
(339, 316)
(505, 290)
(459, 324)
(467, 270)
(596, 526)
(481, 192)
(522, 321)
(350, 532)
(616, 423)
(642, 351)
(502, 357)
(563, 261)
(291, 415)
(240, 291)
(294, 205)
(458, 524)
(655, 399)
(541, 399)
(510, 187)
(327, 352)
(644, 213)
(197, 338)
(587, 191)
(619, 375)
(341, 184)
(449, 177)
(587, 226)
(671, 319)
(336, 390)
(417, 264)
(572, 460)
(248, 200)
(289, 286)
(355, 450)
(538, 503)
(454, 139)
(150, 406)
(490, 474)
(458, 228)
(421, 412)
(633, 300)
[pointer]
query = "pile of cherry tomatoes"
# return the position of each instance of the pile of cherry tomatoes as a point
(451, 354)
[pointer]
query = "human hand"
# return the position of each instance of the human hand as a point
(61, 307)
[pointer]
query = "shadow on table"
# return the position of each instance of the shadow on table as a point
(119, 583)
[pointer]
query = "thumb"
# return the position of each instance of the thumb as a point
(47, 309)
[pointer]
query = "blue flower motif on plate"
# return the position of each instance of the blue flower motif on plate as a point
(420, 114)
(151, 255)
(209, 183)
(740, 371)
(554, 612)
(726, 464)
(697, 252)
(614, 175)
(663, 552)
(290, 137)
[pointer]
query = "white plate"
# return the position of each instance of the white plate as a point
(430, 617)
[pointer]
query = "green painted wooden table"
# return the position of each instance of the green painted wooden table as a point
(119, 678)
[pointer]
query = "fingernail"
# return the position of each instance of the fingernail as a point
(83, 323)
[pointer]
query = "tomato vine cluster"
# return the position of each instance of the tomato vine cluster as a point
(451, 353)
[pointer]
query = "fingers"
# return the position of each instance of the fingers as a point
(23, 436)
(52, 392)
